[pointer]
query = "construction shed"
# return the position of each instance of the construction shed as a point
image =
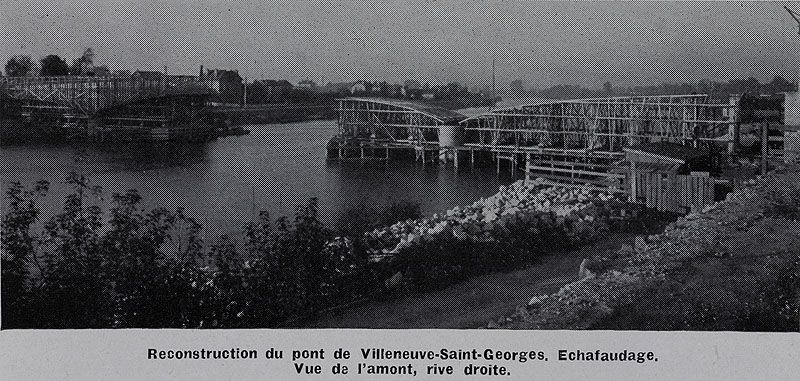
(667, 176)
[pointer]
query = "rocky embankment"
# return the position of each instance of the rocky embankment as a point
(579, 213)
(734, 266)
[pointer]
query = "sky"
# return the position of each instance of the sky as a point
(542, 43)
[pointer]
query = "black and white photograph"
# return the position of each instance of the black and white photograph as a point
(409, 164)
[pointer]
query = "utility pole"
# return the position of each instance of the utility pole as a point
(244, 95)
(764, 146)
(164, 80)
(796, 18)
(494, 89)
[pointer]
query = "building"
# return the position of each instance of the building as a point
(149, 79)
(667, 176)
(398, 91)
(412, 84)
(359, 87)
(273, 87)
(665, 157)
(228, 83)
(306, 84)
(335, 87)
(268, 91)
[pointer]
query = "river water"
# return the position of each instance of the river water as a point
(223, 183)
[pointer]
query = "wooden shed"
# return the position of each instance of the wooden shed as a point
(667, 176)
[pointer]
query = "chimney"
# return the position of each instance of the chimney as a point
(201, 72)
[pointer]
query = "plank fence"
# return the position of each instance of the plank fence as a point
(674, 193)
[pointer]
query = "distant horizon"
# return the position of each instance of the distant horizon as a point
(543, 44)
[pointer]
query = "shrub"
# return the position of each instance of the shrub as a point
(783, 204)
(400, 211)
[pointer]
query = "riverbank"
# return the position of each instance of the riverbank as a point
(732, 267)
(475, 301)
(277, 113)
(456, 265)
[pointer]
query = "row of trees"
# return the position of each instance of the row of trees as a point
(452, 94)
(53, 65)
(715, 89)
(269, 91)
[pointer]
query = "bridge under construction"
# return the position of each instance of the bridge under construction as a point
(137, 107)
(566, 139)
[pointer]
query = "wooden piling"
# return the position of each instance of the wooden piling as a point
(472, 158)
(764, 147)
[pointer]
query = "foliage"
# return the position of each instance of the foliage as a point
(18, 250)
(783, 202)
(53, 65)
(720, 90)
(84, 268)
(400, 211)
(19, 66)
(354, 222)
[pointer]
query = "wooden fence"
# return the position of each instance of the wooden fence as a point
(673, 193)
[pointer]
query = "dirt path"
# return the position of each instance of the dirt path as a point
(476, 301)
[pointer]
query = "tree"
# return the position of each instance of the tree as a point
(607, 88)
(780, 84)
(102, 71)
(517, 87)
(83, 65)
(53, 65)
(19, 66)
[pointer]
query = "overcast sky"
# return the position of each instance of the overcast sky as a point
(583, 43)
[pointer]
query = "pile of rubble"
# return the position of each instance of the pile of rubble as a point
(577, 211)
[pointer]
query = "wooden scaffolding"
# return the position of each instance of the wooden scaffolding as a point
(579, 140)
(128, 107)
(370, 125)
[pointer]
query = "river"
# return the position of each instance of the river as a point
(221, 183)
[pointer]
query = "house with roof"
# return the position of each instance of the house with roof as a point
(273, 87)
(666, 157)
(306, 84)
(228, 83)
(148, 79)
(336, 87)
(359, 87)
(667, 176)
